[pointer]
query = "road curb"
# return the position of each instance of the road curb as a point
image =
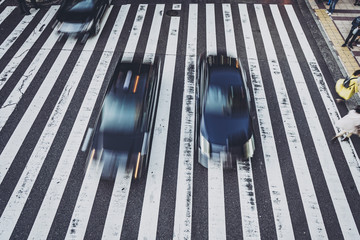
(355, 100)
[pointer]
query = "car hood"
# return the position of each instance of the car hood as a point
(71, 27)
(222, 129)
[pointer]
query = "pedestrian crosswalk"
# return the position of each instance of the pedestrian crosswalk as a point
(297, 185)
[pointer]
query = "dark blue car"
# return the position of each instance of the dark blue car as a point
(80, 18)
(224, 126)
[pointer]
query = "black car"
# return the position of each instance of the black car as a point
(124, 128)
(223, 122)
(80, 17)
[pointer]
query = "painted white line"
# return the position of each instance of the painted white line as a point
(229, 31)
(15, 96)
(135, 34)
(57, 185)
(348, 148)
(249, 215)
(341, 205)
(216, 209)
(119, 198)
(14, 35)
(12, 147)
(250, 222)
(217, 226)
(22, 190)
(25, 47)
(154, 34)
(293, 138)
(81, 214)
(2, 1)
(210, 30)
(151, 202)
(276, 186)
(4, 14)
(87, 194)
(184, 189)
(116, 212)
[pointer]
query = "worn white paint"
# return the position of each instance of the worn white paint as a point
(13, 145)
(229, 31)
(348, 148)
(210, 30)
(117, 207)
(249, 215)
(150, 50)
(7, 11)
(33, 166)
(15, 96)
(294, 141)
(216, 210)
(87, 194)
(135, 33)
(151, 202)
(46, 214)
(14, 35)
(81, 213)
(184, 189)
(216, 202)
(341, 205)
(25, 47)
(274, 176)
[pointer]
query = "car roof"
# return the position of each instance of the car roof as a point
(125, 96)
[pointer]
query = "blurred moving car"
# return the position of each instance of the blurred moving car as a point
(80, 17)
(223, 122)
(123, 132)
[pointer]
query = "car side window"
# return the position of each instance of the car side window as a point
(203, 82)
(147, 102)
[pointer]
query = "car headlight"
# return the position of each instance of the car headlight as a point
(249, 148)
(204, 145)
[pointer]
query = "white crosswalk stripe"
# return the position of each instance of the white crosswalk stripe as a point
(176, 37)
(113, 224)
(53, 196)
(151, 202)
(23, 188)
(4, 14)
(10, 40)
(18, 136)
(21, 53)
(11, 102)
(316, 224)
(183, 208)
(248, 207)
(269, 148)
(329, 170)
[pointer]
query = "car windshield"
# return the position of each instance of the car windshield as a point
(79, 6)
(120, 116)
(225, 100)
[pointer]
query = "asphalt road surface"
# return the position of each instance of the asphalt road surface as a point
(297, 185)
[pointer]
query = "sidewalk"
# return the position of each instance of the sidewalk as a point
(337, 27)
